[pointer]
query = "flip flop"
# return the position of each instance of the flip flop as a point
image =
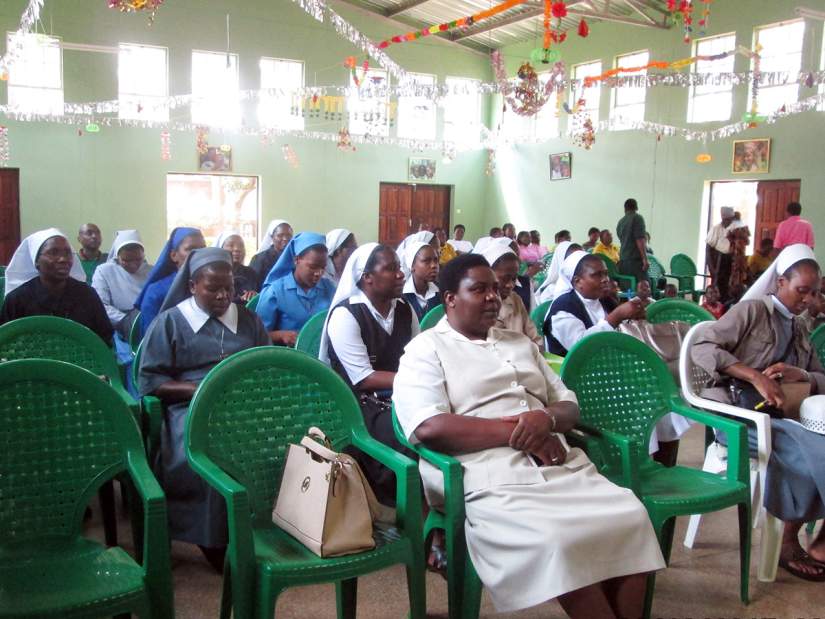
(437, 561)
(800, 556)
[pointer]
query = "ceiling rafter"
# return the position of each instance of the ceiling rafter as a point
(617, 19)
(404, 6)
(638, 7)
(534, 9)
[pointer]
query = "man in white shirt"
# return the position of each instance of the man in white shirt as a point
(718, 254)
(459, 244)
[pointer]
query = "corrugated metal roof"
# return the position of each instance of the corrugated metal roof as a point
(520, 23)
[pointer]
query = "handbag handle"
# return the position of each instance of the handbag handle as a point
(323, 451)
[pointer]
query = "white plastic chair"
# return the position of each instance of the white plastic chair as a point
(693, 379)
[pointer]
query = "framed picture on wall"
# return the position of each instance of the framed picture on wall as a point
(561, 166)
(421, 169)
(216, 159)
(752, 156)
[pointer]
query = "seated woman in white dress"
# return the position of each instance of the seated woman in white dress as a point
(541, 522)
(513, 315)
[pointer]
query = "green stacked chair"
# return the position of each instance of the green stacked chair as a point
(64, 433)
(50, 337)
(655, 274)
(818, 342)
(623, 389)
(152, 411)
(463, 584)
(432, 317)
(253, 302)
(665, 310)
(309, 338)
(626, 282)
(683, 269)
(244, 415)
(135, 334)
(538, 315)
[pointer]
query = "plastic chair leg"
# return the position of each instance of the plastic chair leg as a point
(651, 585)
(472, 590)
(416, 588)
(106, 496)
(346, 594)
(456, 559)
(226, 590)
(714, 465)
(268, 593)
(744, 550)
(770, 548)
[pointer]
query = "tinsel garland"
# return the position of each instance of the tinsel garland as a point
(27, 20)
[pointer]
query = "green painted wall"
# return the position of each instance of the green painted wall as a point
(662, 175)
(116, 177)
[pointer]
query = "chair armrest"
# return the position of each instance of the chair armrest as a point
(628, 448)
(737, 434)
(407, 479)
(152, 421)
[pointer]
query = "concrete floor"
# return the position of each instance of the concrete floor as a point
(702, 582)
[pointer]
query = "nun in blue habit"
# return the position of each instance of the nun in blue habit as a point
(172, 256)
(198, 327)
(295, 289)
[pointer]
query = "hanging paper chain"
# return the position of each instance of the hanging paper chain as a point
(350, 63)
(528, 97)
(462, 22)
(290, 156)
(165, 146)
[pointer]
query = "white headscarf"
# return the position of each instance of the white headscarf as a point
(224, 236)
(347, 287)
(766, 284)
(568, 267)
(22, 264)
(122, 238)
(335, 238)
(549, 283)
(482, 243)
(266, 239)
(424, 236)
(410, 251)
(496, 249)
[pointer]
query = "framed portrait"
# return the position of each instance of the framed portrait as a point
(561, 166)
(216, 159)
(421, 169)
(752, 156)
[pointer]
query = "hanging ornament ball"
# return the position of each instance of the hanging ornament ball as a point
(584, 29)
(703, 158)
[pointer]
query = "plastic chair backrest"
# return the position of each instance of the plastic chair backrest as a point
(620, 383)
(655, 271)
(136, 364)
(63, 433)
(253, 302)
(665, 310)
(432, 317)
(538, 314)
(692, 377)
(251, 406)
(682, 266)
(135, 335)
(60, 339)
(818, 342)
(309, 338)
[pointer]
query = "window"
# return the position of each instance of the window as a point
(781, 51)
(417, 114)
(462, 111)
(142, 82)
(277, 111)
(591, 95)
(547, 120)
(215, 89)
(369, 111)
(712, 101)
(214, 203)
(36, 77)
(629, 101)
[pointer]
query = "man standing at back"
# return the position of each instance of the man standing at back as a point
(631, 232)
(718, 254)
(793, 230)
(89, 255)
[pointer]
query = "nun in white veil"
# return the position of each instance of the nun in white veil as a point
(278, 234)
(340, 245)
(547, 290)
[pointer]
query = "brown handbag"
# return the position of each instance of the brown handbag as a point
(325, 502)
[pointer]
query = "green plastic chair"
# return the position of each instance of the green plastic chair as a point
(245, 413)
(463, 584)
(655, 272)
(538, 314)
(624, 388)
(818, 341)
(59, 339)
(152, 411)
(432, 317)
(613, 272)
(64, 433)
(309, 338)
(665, 310)
(135, 335)
(683, 269)
(253, 302)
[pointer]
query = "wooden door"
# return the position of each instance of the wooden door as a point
(772, 198)
(405, 208)
(9, 213)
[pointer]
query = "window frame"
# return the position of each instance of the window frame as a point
(460, 133)
(123, 97)
(693, 96)
(295, 123)
(433, 125)
(792, 83)
(615, 93)
(11, 86)
(369, 128)
(234, 122)
(581, 90)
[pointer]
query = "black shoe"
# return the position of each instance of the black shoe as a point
(215, 556)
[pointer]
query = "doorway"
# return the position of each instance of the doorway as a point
(404, 208)
(9, 213)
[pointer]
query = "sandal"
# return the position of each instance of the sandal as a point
(800, 556)
(437, 558)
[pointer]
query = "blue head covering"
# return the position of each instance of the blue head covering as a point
(296, 246)
(164, 266)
